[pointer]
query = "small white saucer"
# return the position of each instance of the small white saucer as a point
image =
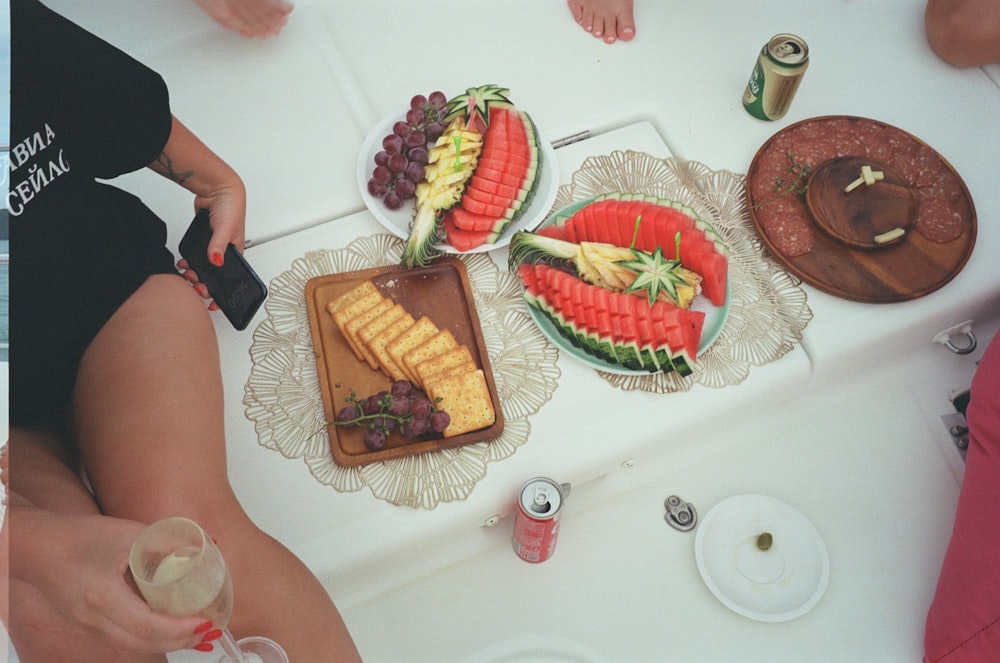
(773, 585)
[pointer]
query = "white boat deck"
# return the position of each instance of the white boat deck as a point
(845, 427)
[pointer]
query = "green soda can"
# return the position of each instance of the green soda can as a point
(776, 76)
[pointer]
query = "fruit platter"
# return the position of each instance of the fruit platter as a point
(626, 283)
(458, 175)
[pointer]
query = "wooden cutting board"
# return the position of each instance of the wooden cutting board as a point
(440, 291)
(845, 260)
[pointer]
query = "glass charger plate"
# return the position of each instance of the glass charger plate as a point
(715, 318)
(767, 306)
(282, 396)
(398, 221)
(778, 584)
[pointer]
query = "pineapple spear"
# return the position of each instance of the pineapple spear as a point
(450, 164)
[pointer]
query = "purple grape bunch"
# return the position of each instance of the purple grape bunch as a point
(399, 165)
(403, 407)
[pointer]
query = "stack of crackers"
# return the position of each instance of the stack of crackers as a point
(381, 333)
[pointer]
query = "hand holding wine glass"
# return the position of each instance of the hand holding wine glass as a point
(180, 572)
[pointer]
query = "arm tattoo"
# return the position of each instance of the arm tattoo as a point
(165, 166)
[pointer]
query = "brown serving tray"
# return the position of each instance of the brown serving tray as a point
(440, 291)
(905, 270)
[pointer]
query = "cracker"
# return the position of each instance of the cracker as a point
(466, 367)
(347, 313)
(378, 344)
(442, 362)
(466, 399)
(368, 332)
(435, 345)
(352, 295)
(421, 330)
(359, 321)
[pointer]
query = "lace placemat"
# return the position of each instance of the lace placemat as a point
(282, 396)
(768, 309)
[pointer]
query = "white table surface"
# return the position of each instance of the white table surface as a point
(844, 427)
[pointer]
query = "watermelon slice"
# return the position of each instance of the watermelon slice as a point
(611, 219)
(506, 177)
(462, 239)
(615, 327)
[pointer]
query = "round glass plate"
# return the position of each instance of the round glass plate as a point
(778, 584)
(715, 319)
(398, 221)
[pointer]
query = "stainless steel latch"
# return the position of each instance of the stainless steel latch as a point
(680, 515)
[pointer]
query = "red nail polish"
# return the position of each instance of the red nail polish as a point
(204, 646)
(211, 635)
(203, 627)
(217, 259)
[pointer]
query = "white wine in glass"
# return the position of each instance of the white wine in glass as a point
(180, 572)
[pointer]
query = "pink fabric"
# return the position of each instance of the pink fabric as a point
(963, 623)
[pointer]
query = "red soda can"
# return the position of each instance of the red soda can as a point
(536, 521)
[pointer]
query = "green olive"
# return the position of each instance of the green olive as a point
(764, 541)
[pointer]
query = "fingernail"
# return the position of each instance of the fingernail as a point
(217, 259)
(211, 635)
(204, 626)
(204, 646)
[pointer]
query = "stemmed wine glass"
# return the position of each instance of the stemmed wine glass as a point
(180, 572)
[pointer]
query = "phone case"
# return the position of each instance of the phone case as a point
(235, 287)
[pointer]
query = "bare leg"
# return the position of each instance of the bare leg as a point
(149, 417)
(251, 18)
(43, 479)
(610, 20)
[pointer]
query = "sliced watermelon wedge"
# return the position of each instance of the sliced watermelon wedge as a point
(462, 239)
(612, 219)
(615, 327)
(506, 176)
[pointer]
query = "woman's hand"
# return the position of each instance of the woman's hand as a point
(80, 564)
(216, 187)
(226, 213)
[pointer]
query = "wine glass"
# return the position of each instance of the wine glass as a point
(180, 572)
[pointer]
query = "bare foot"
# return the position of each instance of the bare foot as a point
(251, 18)
(610, 20)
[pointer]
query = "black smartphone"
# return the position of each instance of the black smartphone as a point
(234, 286)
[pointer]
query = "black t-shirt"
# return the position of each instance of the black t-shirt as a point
(80, 110)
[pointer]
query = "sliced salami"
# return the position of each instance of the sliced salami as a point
(802, 147)
(939, 221)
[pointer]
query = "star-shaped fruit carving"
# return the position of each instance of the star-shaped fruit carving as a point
(653, 273)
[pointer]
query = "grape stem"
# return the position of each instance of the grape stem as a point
(401, 418)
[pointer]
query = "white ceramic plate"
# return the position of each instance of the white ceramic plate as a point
(398, 221)
(774, 585)
(715, 319)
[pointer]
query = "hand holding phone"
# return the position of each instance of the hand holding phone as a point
(235, 287)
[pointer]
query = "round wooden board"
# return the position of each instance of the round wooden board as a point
(910, 268)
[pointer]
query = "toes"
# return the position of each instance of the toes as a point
(626, 30)
(598, 27)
